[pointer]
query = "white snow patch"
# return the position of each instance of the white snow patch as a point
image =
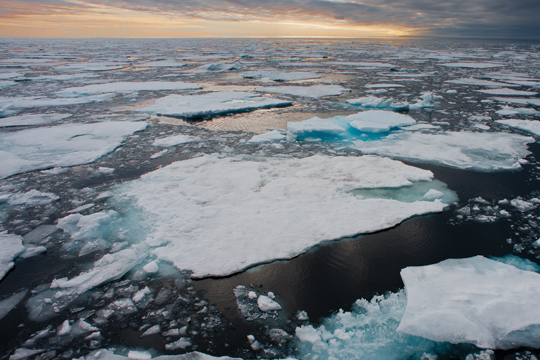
(475, 300)
(215, 103)
(63, 145)
(244, 199)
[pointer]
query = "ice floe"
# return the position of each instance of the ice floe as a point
(314, 124)
(35, 119)
(92, 66)
(509, 111)
(6, 305)
(161, 63)
(12, 246)
(464, 150)
(104, 354)
(222, 66)
(12, 105)
(372, 102)
(478, 82)
(473, 65)
(530, 126)
(281, 75)
(378, 120)
(126, 87)
(174, 140)
(63, 145)
(244, 199)
(382, 85)
(475, 300)
(215, 103)
(314, 91)
(505, 91)
(274, 135)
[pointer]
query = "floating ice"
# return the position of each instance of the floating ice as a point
(109, 355)
(314, 124)
(313, 91)
(222, 66)
(378, 120)
(174, 140)
(383, 85)
(126, 87)
(63, 145)
(11, 246)
(6, 305)
(374, 102)
(524, 101)
(32, 198)
(362, 64)
(12, 105)
(281, 75)
(244, 199)
(139, 355)
(9, 75)
(266, 304)
(85, 226)
(478, 82)
(463, 150)
(505, 91)
(215, 103)
(473, 65)
(475, 300)
(509, 111)
(92, 66)
(27, 120)
(273, 135)
(161, 63)
(62, 77)
(5, 84)
(109, 267)
(530, 126)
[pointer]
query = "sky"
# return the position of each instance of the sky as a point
(515, 19)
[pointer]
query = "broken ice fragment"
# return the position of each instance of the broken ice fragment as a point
(6, 305)
(174, 140)
(266, 304)
(314, 124)
(11, 246)
(274, 135)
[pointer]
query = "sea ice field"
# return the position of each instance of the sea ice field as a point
(309, 199)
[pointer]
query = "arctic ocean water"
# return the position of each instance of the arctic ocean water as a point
(142, 215)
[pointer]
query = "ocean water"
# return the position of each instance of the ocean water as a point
(121, 236)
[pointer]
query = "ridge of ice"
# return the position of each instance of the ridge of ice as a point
(475, 300)
(62, 145)
(215, 103)
(244, 198)
(126, 87)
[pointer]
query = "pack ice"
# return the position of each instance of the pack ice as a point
(475, 300)
(63, 145)
(214, 103)
(219, 215)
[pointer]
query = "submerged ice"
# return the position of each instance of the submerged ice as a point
(245, 198)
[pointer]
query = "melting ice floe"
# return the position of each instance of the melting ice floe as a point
(252, 204)
(314, 91)
(215, 103)
(475, 300)
(126, 87)
(161, 63)
(63, 145)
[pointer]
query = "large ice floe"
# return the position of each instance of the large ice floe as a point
(253, 206)
(12, 105)
(314, 91)
(63, 145)
(530, 126)
(475, 300)
(126, 87)
(215, 103)
(462, 301)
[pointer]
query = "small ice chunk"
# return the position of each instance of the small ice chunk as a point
(473, 65)
(23, 353)
(502, 310)
(152, 330)
(509, 92)
(141, 294)
(266, 304)
(85, 226)
(64, 329)
(32, 198)
(302, 315)
(280, 75)
(159, 154)
(139, 355)
(174, 140)
(81, 208)
(530, 126)
(32, 250)
(252, 295)
(314, 124)
(181, 343)
(152, 267)
(273, 135)
(11, 246)
(523, 205)
(105, 170)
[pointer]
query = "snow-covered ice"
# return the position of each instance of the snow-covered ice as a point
(463, 150)
(174, 140)
(34, 119)
(11, 246)
(475, 300)
(383, 85)
(63, 145)
(215, 103)
(126, 87)
(244, 199)
(313, 91)
(530, 126)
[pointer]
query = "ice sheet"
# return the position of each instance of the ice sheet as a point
(126, 87)
(475, 300)
(314, 91)
(244, 199)
(11, 246)
(63, 145)
(463, 150)
(215, 103)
